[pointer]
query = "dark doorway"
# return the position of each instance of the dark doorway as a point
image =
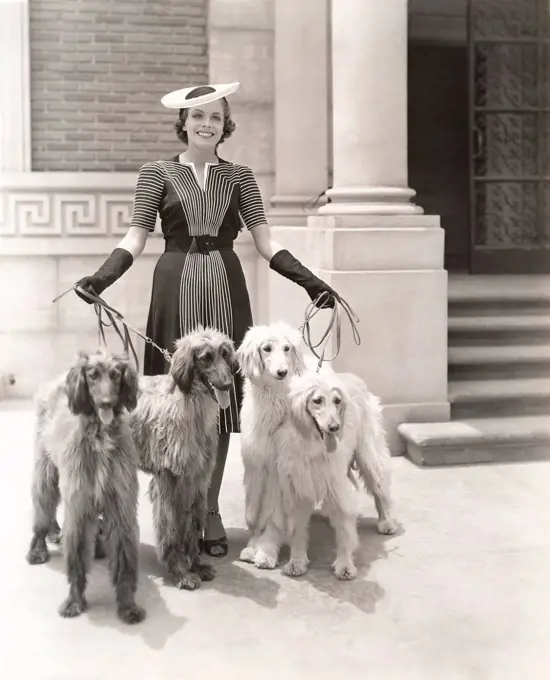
(439, 142)
(509, 54)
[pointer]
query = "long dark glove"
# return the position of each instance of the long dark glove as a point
(110, 271)
(287, 265)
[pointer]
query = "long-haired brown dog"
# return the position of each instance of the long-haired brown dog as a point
(175, 429)
(85, 453)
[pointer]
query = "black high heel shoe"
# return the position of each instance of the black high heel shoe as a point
(208, 544)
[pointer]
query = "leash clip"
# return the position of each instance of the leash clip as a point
(100, 306)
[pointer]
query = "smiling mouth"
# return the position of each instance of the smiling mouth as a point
(205, 135)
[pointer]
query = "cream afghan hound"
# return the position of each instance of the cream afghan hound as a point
(175, 429)
(333, 421)
(269, 356)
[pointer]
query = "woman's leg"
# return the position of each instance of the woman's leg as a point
(215, 541)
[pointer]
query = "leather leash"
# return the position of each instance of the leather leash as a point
(334, 325)
(100, 308)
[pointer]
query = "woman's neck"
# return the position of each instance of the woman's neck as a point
(198, 156)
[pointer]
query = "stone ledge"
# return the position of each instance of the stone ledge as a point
(395, 414)
(67, 181)
(483, 440)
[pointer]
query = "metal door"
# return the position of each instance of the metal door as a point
(509, 71)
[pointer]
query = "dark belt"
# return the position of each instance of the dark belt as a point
(198, 244)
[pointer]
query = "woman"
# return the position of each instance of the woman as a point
(200, 199)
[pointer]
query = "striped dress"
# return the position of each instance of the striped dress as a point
(192, 288)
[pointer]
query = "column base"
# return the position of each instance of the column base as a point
(293, 209)
(370, 201)
(391, 272)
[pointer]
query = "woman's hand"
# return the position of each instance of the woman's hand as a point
(285, 264)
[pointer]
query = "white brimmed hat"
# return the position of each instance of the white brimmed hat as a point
(178, 98)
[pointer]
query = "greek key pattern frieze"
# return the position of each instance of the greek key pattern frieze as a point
(26, 213)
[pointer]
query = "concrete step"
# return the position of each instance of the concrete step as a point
(504, 397)
(499, 330)
(498, 288)
(493, 362)
(499, 307)
(478, 440)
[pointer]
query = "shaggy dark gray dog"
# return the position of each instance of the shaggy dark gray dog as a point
(175, 429)
(85, 454)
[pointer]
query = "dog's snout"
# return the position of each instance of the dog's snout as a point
(282, 372)
(334, 427)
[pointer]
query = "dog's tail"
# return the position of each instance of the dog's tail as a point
(372, 454)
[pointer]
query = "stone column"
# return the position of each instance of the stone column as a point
(302, 138)
(369, 94)
(301, 106)
(371, 241)
(15, 138)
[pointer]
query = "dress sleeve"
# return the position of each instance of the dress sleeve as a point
(251, 205)
(147, 196)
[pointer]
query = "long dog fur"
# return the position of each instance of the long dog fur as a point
(292, 472)
(84, 454)
(268, 357)
(175, 428)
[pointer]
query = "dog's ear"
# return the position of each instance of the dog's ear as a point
(294, 338)
(229, 347)
(344, 397)
(77, 387)
(129, 386)
(248, 356)
(299, 412)
(298, 361)
(182, 368)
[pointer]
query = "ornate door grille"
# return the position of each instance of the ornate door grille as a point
(509, 53)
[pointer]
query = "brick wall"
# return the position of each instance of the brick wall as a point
(98, 71)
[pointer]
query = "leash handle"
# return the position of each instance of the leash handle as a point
(334, 325)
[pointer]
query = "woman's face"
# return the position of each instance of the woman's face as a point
(204, 125)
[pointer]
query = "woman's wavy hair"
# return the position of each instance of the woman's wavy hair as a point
(228, 123)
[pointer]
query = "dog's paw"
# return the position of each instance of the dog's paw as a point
(38, 555)
(188, 582)
(54, 536)
(387, 526)
(205, 572)
(71, 608)
(345, 571)
(131, 613)
(264, 561)
(247, 554)
(295, 568)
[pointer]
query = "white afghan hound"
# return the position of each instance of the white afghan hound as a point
(269, 356)
(333, 421)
